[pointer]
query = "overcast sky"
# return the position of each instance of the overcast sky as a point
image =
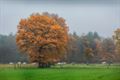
(82, 16)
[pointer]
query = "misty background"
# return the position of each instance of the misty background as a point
(82, 16)
(98, 19)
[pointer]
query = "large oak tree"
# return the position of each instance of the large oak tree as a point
(43, 37)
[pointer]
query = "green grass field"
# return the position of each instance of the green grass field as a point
(67, 72)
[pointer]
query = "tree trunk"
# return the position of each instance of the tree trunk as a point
(43, 65)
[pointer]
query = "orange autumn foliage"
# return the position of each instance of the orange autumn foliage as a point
(55, 27)
(116, 37)
(42, 38)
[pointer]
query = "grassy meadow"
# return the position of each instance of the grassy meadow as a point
(58, 72)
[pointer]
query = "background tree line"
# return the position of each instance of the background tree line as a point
(91, 48)
(8, 49)
(87, 48)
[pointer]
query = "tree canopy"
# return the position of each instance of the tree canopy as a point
(43, 38)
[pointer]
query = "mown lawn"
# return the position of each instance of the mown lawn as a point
(60, 74)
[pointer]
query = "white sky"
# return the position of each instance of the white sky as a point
(82, 16)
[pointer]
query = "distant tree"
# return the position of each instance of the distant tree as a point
(88, 54)
(116, 37)
(97, 50)
(72, 49)
(96, 36)
(90, 37)
(43, 38)
(108, 50)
